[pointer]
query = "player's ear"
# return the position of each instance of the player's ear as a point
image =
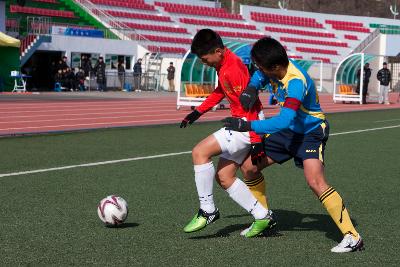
(219, 51)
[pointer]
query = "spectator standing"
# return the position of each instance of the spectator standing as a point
(100, 70)
(86, 65)
(70, 79)
(384, 78)
(137, 74)
(366, 76)
(64, 64)
(121, 74)
(170, 77)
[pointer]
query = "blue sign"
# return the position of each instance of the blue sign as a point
(84, 32)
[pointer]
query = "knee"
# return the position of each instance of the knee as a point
(250, 172)
(197, 152)
(224, 181)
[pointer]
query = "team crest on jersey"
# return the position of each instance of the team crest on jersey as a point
(228, 88)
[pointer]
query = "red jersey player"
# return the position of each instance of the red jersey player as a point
(233, 147)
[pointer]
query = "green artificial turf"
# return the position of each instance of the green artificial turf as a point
(50, 218)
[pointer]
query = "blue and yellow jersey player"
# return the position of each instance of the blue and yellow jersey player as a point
(300, 131)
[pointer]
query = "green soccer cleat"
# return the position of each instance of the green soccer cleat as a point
(259, 226)
(201, 220)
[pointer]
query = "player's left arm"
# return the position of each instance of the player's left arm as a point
(293, 101)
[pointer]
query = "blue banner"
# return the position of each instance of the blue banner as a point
(84, 32)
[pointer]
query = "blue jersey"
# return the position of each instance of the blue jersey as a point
(297, 86)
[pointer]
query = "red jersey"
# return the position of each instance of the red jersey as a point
(233, 78)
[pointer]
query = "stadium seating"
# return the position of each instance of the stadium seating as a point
(323, 59)
(157, 38)
(197, 10)
(159, 28)
(346, 89)
(41, 11)
(12, 23)
(350, 37)
(315, 42)
(316, 50)
(165, 49)
(288, 20)
(299, 32)
(345, 23)
(217, 23)
(350, 28)
(138, 16)
(240, 35)
(295, 57)
(198, 90)
(125, 4)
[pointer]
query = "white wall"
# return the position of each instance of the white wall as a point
(392, 45)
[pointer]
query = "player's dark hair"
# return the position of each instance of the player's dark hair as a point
(268, 53)
(205, 42)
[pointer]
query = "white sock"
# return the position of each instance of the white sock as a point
(241, 194)
(204, 177)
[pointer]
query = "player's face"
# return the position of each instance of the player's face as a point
(273, 72)
(213, 59)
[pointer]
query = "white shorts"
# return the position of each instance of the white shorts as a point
(235, 146)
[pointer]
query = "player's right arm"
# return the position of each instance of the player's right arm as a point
(213, 99)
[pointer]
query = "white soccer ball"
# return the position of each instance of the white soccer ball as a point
(112, 210)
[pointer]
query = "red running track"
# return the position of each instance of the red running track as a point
(42, 114)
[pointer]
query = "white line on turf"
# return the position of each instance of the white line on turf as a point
(388, 120)
(154, 156)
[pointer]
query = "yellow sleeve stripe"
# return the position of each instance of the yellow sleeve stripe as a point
(316, 114)
(292, 73)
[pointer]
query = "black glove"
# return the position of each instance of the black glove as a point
(190, 118)
(236, 124)
(248, 97)
(257, 153)
(272, 100)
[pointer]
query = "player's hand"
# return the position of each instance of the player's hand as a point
(190, 118)
(236, 124)
(257, 153)
(272, 100)
(248, 97)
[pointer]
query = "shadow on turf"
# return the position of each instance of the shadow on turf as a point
(288, 220)
(124, 225)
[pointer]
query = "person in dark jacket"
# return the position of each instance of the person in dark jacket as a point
(121, 74)
(170, 77)
(100, 70)
(86, 65)
(70, 79)
(63, 63)
(384, 78)
(366, 76)
(137, 74)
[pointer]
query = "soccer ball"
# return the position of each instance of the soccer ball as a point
(112, 210)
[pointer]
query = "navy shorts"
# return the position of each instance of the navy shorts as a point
(286, 144)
